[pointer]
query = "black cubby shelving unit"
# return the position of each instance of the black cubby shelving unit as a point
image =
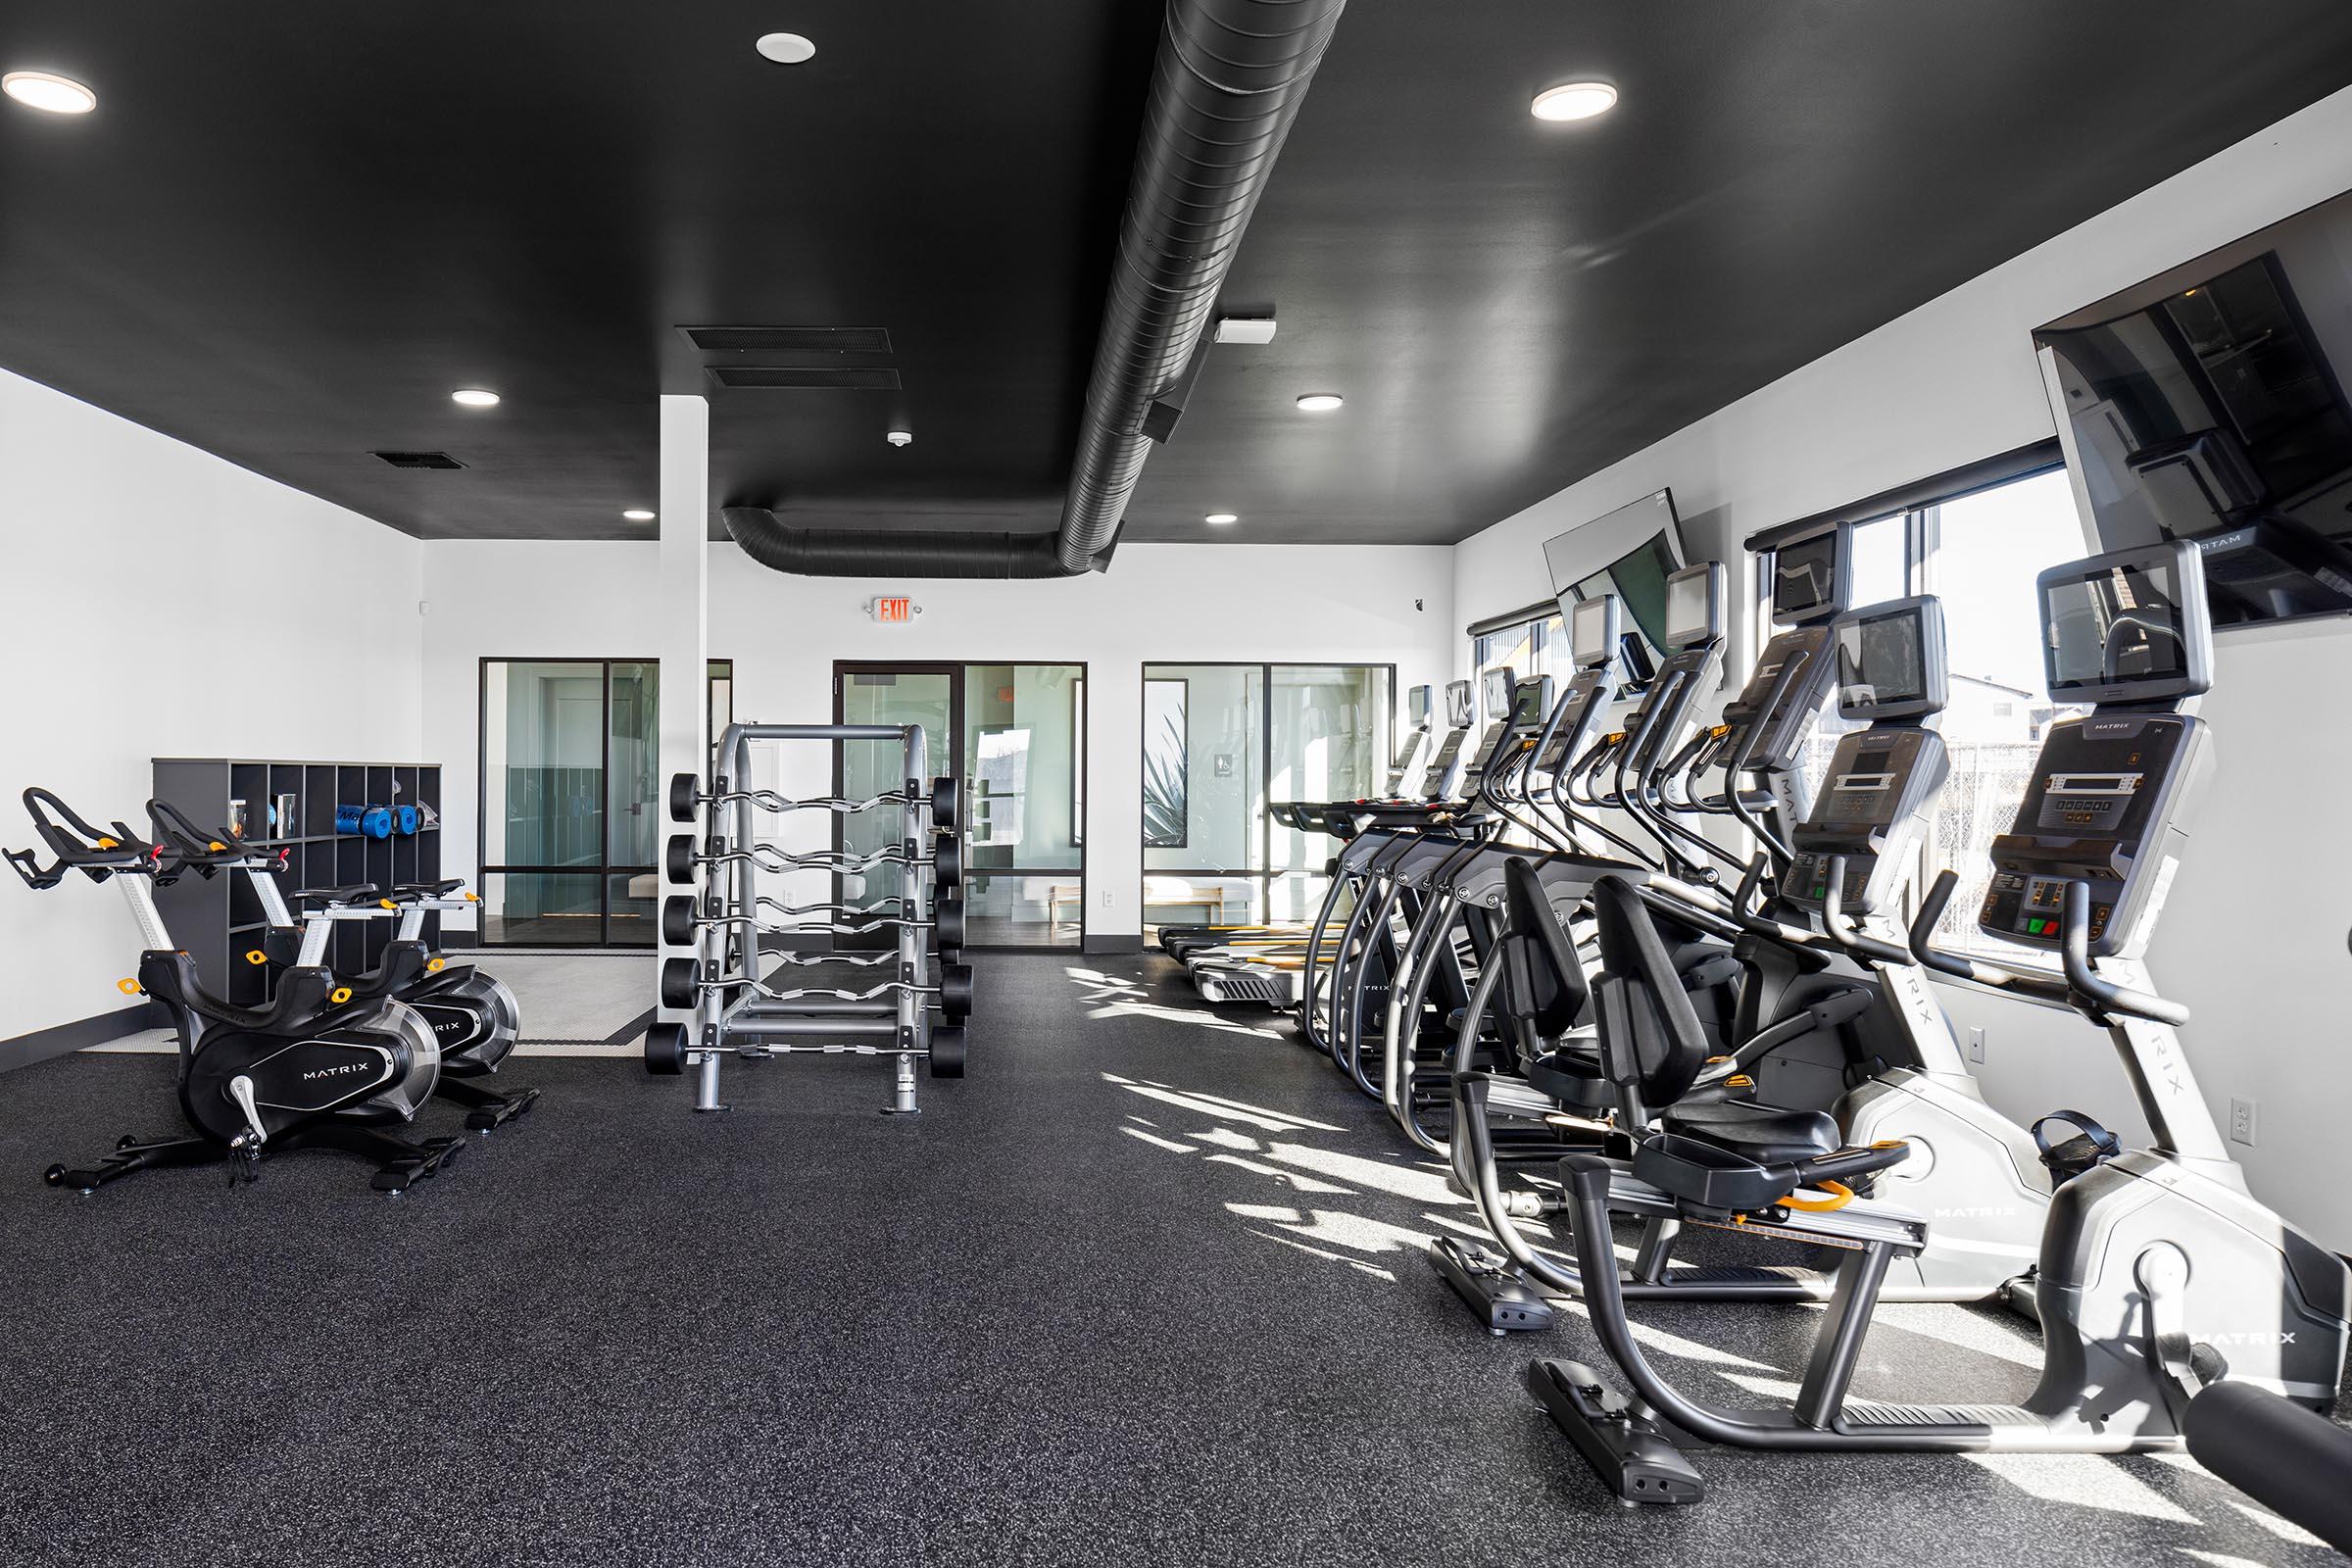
(221, 920)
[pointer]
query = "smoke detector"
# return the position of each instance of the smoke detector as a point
(899, 438)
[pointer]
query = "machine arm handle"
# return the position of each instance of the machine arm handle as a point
(1989, 976)
(1757, 730)
(1848, 933)
(1844, 1164)
(75, 843)
(1745, 898)
(2104, 995)
(192, 845)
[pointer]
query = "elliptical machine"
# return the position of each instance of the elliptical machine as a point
(316, 1068)
(474, 1016)
(2160, 1274)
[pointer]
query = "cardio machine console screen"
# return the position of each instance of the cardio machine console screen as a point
(1804, 577)
(1881, 663)
(1416, 707)
(2117, 624)
(1693, 615)
(1593, 632)
(1498, 693)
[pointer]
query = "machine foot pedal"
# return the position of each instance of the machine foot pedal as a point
(1624, 1447)
(1488, 1285)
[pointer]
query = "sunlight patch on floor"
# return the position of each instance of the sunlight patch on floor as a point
(1335, 1228)
(1653, 1338)
(2082, 1481)
(1112, 996)
(1357, 1264)
(1411, 1183)
(1284, 1178)
(2283, 1529)
(1969, 1331)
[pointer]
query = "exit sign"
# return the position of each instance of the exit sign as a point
(893, 612)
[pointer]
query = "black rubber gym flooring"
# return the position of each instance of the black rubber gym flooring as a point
(1147, 1287)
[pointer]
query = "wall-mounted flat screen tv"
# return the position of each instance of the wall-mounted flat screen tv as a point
(2208, 404)
(1629, 552)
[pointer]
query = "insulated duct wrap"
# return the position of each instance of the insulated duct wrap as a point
(1226, 85)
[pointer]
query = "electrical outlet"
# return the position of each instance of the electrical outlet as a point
(1976, 1043)
(1104, 898)
(2241, 1122)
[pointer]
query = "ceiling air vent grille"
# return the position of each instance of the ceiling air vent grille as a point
(789, 378)
(420, 459)
(790, 339)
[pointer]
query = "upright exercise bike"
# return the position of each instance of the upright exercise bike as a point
(318, 1067)
(474, 1016)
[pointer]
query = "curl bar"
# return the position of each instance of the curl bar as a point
(686, 798)
(681, 986)
(680, 922)
(666, 1049)
(681, 858)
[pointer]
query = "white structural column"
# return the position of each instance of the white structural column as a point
(682, 614)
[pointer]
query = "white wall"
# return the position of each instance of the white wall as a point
(2255, 935)
(1158, 603)
(164, 602)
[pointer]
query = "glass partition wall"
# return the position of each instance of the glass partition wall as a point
(1018, 759)
(1220, 743)
(570, 826)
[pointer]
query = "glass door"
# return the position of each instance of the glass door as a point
(1012, 738)
(1025, 754)
(1221, 743)
(886, 694)
(570, 825)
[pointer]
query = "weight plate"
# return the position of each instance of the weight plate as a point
(666, 1048)
(955, 991)
(947, 1051)
(678, 988)
(946, 865)
(944, 802)
(677, 919)
(685, 794)
(950, 915)
(679, 861)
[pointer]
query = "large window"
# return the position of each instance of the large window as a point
(1533, 647)
(1220, 743)
(1886, 564)
(1980, 553)
(1983, 552)
(570, 824)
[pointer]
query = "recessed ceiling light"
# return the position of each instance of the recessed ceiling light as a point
(48, 92)
(785, 48)
(1321, 402)
(473, 397)
(1219, 520)
(1575, 100)
(638, 514)
(899, 438)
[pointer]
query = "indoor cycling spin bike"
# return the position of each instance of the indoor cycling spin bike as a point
(472, 1015)
(316, 1067)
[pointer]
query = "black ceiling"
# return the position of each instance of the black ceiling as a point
(290, 231)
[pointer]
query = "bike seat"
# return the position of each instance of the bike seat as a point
(1764, 1133)
(1572, 1075)
(403, 890)
(355, 892)
(1717, 1180)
